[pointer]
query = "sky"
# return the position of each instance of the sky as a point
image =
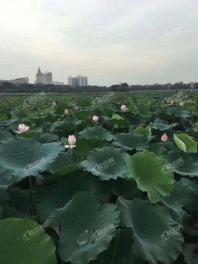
(110, 41)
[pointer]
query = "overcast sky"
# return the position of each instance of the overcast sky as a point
(110, 41)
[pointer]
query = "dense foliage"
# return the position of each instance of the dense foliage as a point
(6, 87)
(109, 179)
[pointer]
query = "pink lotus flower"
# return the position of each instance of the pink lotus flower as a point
(95, 118)
(164, 138)
(124, 108)
(72, 142)
(22, 128)
(66, 111)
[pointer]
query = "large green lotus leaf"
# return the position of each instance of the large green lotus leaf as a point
(33, 134)
(84, 146)
(183, 163)
(82, 115)
(2, 199)
(191, 205)
(9, 211)
(45, 126)
(23, 241)
(177, 111)
(184, 196)
(185, 143)
(9, 124)
(65, 163)
(120, 250)
(161, 148)
(18, 203)
(3, 116)
(107, 163)
(190, 254)
(119, 122)
(4, 135)
(153, 231)
(130, 141)
(59, 193)
(68, 125)
(48, 138)
(86, 228)
(2, 194)
(189, 167)
(96, 132)
(21, 158)
(147, 169)
(117, 117)
(161, 125)
(144, 110)
(195, 126)
(125, 188)
(144, 131)
(191, 230)
(181, 195)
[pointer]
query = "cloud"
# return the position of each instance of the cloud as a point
(137, 41)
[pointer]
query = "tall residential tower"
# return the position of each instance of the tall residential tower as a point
(79, 81)
(43, 78)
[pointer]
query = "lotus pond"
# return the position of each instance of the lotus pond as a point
(99, 179)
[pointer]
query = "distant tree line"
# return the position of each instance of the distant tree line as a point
(6, 87)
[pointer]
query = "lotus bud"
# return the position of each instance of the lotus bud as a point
(72, 140)
(181, 104)
(66, 111)
(124, 108)
(95, 118)
(164, 138)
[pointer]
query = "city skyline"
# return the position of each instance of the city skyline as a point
(45, 77)
(134, 41)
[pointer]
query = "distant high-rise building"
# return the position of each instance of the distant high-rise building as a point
(192, 85)
(79, 81)
(43, 77)
(24, 80)
(21, 80)
(72, 81)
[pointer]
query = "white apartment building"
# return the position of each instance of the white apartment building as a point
(44, 77)
(79, 81)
